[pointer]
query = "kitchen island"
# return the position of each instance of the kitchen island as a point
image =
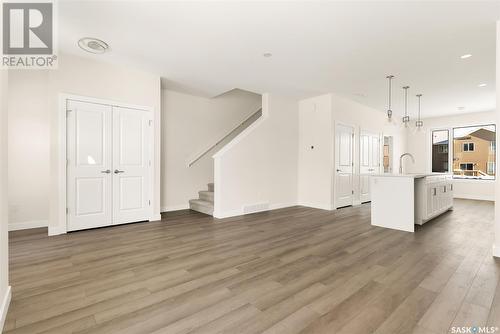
(399, 201)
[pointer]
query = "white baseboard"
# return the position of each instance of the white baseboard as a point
(28, 224)
(475, 197)
(281, 206)
(228, 214)
(174, 208)
(155, 217)
(240, 212)
(495, 251)
(4, 307)
(57, 230)
(317, 206)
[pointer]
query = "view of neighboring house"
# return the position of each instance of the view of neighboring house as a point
(474, 154)
(440, 156)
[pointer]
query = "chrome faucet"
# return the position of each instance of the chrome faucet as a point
(401, 161)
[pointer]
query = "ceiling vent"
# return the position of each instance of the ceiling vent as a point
(93, 45)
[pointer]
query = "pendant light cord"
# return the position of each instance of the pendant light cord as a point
(419, 108)
(390, 89)
(406, 99)
(419, 96)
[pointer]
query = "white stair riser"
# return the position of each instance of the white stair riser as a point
(206, 196)
(201, 208)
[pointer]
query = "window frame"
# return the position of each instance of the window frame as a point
(432, 144)
(466, 163)
(468, 145)
(442, 148)
(488, 163)
(451, 152)
(474, 146)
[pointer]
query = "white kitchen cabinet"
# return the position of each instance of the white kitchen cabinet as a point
(433, 196)
(430, 199)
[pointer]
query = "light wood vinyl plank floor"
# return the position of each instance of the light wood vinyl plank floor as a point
(294, 270)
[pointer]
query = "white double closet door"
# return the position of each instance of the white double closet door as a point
(108, 165)
(369, 162)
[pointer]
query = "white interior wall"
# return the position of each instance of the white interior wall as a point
(4, 242)
(29, 149)
(419, 144)
(318, 116)
(315, 158)
(190, 125)
(259, 167)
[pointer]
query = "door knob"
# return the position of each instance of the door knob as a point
(107, 171)
(338, 170)
(118, 171)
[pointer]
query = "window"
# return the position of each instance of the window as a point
(440, 143)
(491, 168)
(468, 147)
(474, 152)
(468, 166)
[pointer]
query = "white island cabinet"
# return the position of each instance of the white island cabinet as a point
(399, 201)
(433, 196)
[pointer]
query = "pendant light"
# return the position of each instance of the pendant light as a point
(419, 123)
(389, 110)
(406, 118)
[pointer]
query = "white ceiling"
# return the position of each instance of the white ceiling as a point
(347, 48)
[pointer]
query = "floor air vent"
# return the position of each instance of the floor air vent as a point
(258, 207)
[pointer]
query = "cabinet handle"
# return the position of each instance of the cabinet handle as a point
(118, 171)
(434, 189)
(451, 187)
(444, 188)
(107, 171)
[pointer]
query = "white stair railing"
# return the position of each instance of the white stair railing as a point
(235, 131)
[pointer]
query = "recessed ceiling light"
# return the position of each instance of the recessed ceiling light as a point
(465, 56)
(360, 94)
(267, 54)
(460, 108)
(482, 85)
(93, 45)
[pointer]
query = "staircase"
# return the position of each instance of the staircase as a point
(205, 201)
